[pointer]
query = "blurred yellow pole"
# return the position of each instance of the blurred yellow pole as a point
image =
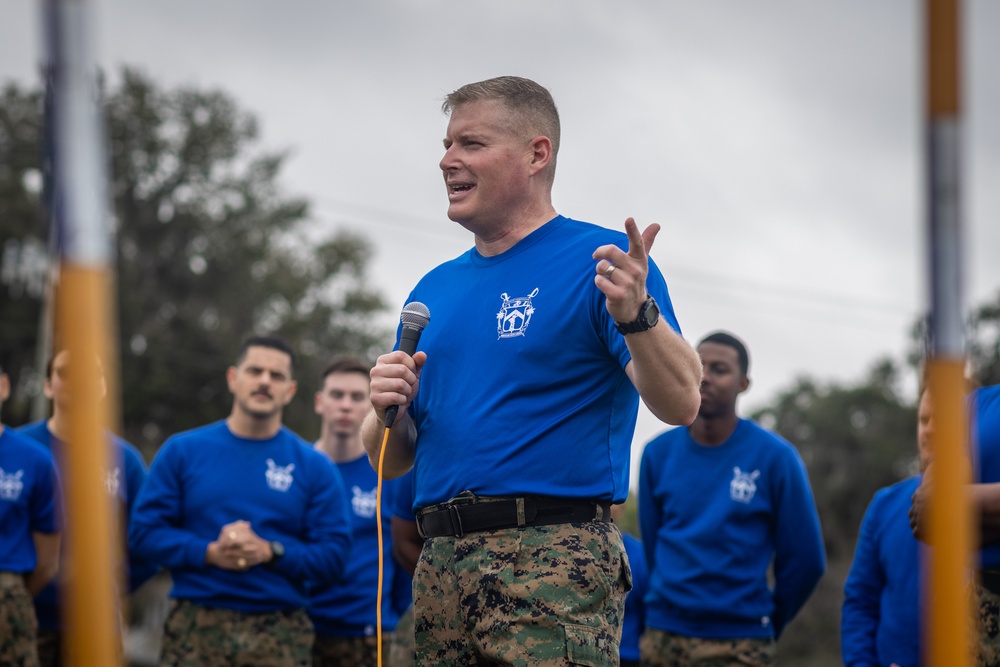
(89, 606)
(81, 230)
(948, 602)
(947, 599)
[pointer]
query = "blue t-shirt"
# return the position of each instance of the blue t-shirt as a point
(524, 390)
(346, 607)
(985, 409)
(208, 477)
(28, 499)
(712, 520)
(880, 621)
(123, 481)
(634, 622)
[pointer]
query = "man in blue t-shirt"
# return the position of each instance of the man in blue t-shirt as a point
(517, 413)
(343, 612)
(720, 504)
(243, 513)
(122, 480)
(29, 538)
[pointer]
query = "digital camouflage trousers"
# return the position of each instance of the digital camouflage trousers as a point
(540, 596)
(195, 636)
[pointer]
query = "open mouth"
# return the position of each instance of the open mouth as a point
(457, 188)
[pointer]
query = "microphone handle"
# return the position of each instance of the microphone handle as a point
(408, 339)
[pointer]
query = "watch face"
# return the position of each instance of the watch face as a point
(652, 312)
(278, 549)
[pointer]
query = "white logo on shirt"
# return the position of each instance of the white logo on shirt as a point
(514, 315)
(363, 503)
(112, 481)
(279, 478)
(11, 485)
(742, 487)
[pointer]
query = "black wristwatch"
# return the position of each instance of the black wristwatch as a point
(277, 553)
(649, 315)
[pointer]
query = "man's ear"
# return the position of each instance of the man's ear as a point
(293, 387)
(541, 153)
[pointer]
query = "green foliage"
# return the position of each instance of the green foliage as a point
(984, 342)
(22, 239)
(853, 440)
(210, 250)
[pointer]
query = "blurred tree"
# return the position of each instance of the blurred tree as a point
(209, 251)
(984, 342)
(23, 253)
(853, 440)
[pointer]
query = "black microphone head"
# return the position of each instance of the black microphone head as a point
(415, 315)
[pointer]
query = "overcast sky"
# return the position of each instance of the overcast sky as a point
(778, 143)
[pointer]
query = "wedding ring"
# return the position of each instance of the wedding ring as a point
(608, 271)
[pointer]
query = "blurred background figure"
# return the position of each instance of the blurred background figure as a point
(721, 504)
(29, 538)
(984, 409)
(406, 547)
(634, 622)
(880, 621)
(343, 611)
(123, 481)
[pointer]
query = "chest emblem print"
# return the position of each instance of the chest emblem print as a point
(743, 485)
(515, 315)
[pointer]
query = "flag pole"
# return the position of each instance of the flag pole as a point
(82, 321)
(947, 604)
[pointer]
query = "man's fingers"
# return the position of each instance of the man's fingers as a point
(639, 244)
(649, 235)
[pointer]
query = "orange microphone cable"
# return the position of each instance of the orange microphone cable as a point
(381, 563)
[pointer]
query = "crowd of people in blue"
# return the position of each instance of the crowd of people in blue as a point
(503, 473)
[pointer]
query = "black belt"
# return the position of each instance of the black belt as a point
(460, 516)
(990, 580)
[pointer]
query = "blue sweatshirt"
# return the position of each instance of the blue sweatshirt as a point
(346, 607)
(985, 410)
(28, 492)
(712, 520)
(123, 480)
(880, 622)
(206, 478)
(402, 508)
(635, 608)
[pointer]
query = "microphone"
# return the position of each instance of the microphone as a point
(414, 317)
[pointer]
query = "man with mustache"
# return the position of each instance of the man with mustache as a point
(243, 512)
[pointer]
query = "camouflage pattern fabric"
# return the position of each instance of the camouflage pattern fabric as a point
(666, 649)
(195, 636)
(401, 652)
(18, 625)
(988, 630)
(539, 596)
(329, 651)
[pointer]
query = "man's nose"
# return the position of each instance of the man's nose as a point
(448, 160)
